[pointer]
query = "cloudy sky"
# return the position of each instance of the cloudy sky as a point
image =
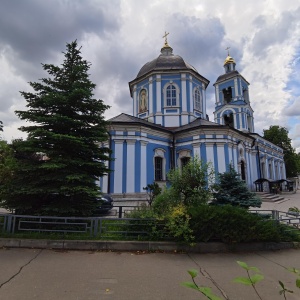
(119, 36)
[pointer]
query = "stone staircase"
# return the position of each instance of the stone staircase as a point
(267, 197)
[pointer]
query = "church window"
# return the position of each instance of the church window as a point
(228, 120)
(227, 94)
(197, 99)
(246, 95)
(249, 122)
(184, 161)
(171, 95)
(158, 162)
(183, 158)
(159, 165)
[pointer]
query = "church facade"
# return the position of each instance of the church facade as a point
(169, 126)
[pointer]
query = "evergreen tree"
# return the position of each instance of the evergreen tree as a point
(231, 189)
(8, 165)
(63, 156)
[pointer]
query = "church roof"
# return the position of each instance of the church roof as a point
(228, 76)
(124, 118)
(165, 62)
(131, 120)
(196, 123)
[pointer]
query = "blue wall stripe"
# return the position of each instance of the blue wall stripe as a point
(112, 165)
(203, 153)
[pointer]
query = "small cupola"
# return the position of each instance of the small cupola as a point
(229, 63)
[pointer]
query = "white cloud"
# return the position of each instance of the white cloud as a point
(119, 37)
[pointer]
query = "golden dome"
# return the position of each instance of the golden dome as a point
(229, 60)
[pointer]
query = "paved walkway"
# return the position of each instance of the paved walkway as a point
(83, 275)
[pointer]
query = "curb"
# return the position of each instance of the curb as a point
(213, 247)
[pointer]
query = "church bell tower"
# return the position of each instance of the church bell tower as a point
(232, 105)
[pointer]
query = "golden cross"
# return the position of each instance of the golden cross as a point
(165, 36)
(227, 50)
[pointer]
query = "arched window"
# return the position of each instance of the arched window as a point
(158, 168)
(159, 165)
(183, 158)
(229, 120)
(197, 99)
(227, 94)
(184, 161)
(171, 95)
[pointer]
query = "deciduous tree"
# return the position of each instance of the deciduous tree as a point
(279, 136)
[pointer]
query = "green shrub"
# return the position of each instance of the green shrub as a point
(231, 224)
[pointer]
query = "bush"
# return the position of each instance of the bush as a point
(231, 224)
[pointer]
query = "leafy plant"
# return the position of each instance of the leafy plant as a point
(192, 183)
(254, 276)
(206, 291)
(153, 190)
(250, 279)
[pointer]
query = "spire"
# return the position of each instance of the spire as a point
(229, 59)
(166, 49)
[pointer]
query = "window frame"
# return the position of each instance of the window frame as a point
(197, 99)
(175, 89)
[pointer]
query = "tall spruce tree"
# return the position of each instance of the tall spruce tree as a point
(231, 189)
(63, 156)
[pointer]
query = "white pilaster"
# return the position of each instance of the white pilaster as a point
(150, 104)
(158, 93)
(210, 153)
(217, 94)
(196, 150)
(191, 95)
(130, 172)
(236, 91)
(135, 108)
(183, 93)
(204, 100)
(221, 157)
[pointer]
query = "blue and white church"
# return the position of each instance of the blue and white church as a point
(169, 126)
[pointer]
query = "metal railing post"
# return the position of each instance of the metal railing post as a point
(120, 211)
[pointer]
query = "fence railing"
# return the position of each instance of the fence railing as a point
(110, 226)
(95, 226)
(289, 218)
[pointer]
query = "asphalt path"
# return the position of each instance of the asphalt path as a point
(52, 275)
